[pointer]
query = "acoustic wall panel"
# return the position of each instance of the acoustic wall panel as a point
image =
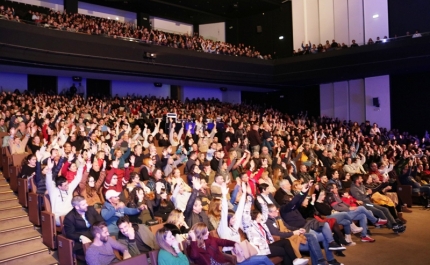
(355, 21)
(326, 100)
(326, 23)
(341, 100)
(375, 19)
(378, 87)
(312, 22)
(299, 35)
(357, 106)
(341, 32)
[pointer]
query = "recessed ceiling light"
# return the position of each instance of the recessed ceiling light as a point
(281, 37)
(375, 16)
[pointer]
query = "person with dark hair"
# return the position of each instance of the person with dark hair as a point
(28, 168)
(136, 199)
(61, 193)
(230, 224)
(265, 195)
(170, 253)
(101, 251)
(254, 225)
(359, 192)
(138, 238)
(78, 221)
(291, 215)
(193, 212)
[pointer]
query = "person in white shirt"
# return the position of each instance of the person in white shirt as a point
(61, 192)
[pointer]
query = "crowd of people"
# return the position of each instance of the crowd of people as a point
(212, 173)
(309, 48)
(112, 28)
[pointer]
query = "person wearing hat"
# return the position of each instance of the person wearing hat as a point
(113, 209)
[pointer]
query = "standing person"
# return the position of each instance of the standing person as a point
(254, 139)
(170, 253)
(61, 192)
(101, 251)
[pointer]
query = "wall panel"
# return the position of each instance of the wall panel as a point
(213, 31)
(326, 100)
(357, 106)
(341, 100)
(122, 88)
(375, 19)
(201, 92)
(312, 22)
(106, 12)
(379, 87)
(341, 31)
(171, 26)
(355, 18)
(299, 32)
(326, 17)
(10, 82)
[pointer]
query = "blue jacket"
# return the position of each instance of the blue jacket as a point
(110, 215)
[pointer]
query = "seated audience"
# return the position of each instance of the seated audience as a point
(101, 251)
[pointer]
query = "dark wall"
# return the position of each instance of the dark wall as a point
(291, 100)
(71, 6)
(408, 16)
(42, 84)
(410, 99)
(273, 24)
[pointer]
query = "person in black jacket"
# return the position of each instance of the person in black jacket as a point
(266, 196)
(76, 227)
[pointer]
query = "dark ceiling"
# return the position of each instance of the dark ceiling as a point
(194, 11)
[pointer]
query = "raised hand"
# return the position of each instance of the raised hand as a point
(132, 159)
(50, 164)
(196, 183)
(224, 189)
(89, 165)
(38, 155)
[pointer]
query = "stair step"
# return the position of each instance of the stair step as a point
(5, 233)
(15, 223)
(7, 195)
(4, 188)
(6, 204)
(12, 213)
(19, 237)
(15, 251)
(40, 258)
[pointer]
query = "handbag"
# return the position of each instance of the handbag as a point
(244, 250)
(330, 221)
(151, 222)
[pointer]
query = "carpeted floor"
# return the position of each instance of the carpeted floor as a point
(411, 247)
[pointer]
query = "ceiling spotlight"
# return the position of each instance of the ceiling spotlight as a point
(375, 16)
(231, 27)
(281, 37)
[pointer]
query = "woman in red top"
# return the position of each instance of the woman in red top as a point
(203, 249)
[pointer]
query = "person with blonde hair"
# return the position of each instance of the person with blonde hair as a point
(204, 249)
(170, 253)
(214, 212)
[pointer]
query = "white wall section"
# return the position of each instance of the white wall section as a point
(213, 31)
(171, 26)
(57, 5)
(342, 20)
(107, 12)
(353, 100)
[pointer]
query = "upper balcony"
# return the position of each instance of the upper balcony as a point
(36, 46)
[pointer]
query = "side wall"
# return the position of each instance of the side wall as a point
(353, 100)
